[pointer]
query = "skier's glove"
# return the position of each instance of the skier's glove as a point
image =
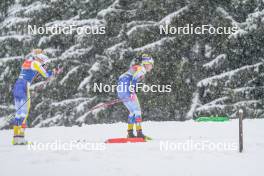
(57, 71)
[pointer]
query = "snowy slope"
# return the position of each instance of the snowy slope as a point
(205, 71)
(141, 158)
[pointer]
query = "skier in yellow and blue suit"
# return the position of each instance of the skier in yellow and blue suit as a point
(129, 80)
(32, 66)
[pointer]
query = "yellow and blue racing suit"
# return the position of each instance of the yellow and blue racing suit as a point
(21, 94)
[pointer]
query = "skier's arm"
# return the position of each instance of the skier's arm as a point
(138, 74)
(38, 67)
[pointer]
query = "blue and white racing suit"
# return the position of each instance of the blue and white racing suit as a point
(126, 82)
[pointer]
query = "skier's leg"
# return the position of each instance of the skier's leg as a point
(21, 105)
(138, 114)
(138, 119)
(131, 118)
(134, 116)
(130, 121)
(124, 95)
(16, 122)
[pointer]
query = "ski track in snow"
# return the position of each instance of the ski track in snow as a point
(140, 158)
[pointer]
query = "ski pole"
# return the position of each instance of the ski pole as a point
(108, 104)
(8, 118)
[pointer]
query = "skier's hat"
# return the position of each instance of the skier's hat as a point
(40, 54)
(147, 59)
(38, 51)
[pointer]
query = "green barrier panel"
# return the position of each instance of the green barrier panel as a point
(212, 119)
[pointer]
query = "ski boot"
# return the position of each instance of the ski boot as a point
(130, 134)
(19, 136)
(141, 135)
(19, 140)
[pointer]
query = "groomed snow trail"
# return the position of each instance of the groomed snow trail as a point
(146, 159)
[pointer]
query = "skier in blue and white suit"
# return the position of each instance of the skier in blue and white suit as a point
(127, 93)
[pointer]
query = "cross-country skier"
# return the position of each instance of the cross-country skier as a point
(126, 90)
(31, 67)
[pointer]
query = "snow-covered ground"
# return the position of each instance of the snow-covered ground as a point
(150, 158)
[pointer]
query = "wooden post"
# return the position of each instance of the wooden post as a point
(240, 114)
